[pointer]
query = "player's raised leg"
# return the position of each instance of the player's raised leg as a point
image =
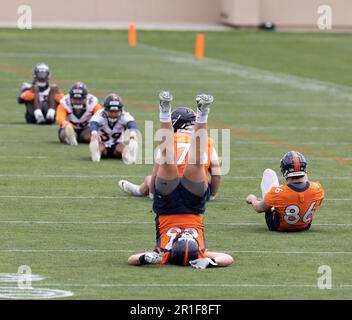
(269, 180)
(167, 172)
(194, 176)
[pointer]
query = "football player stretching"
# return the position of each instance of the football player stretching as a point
(107, 128)
(179, 201)
(183, 119)
(40, 98)
(288, 207)
(74, 113)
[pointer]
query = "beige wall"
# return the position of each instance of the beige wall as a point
(304, 12)
(201, 11)
(284, 13)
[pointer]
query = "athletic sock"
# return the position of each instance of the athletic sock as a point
(201, 117)
(165, 116)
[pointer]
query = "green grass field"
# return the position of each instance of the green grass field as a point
(65, 217)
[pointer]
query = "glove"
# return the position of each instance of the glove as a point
(39, 117)
(212, 197)
(50, 115)
(203, 263)
(150, 258)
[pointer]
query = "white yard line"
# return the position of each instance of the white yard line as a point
(122, 198)
(251, 73)
(133, 251)
(194, 285)
(47, 222)
(95, 176)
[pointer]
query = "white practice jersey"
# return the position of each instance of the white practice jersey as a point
(82, 121)
(111, 135)
(43, 96)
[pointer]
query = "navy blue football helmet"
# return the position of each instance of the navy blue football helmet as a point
(182, 117)
(184, 249)
(113, 102)
(293, 164)
(78, 91)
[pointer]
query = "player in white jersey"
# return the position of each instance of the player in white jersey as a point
(107, 128)
(74, 113)
(40, 98)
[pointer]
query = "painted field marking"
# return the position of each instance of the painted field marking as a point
(13, 292)
(124, 198)
(240, 224)
(141, 250)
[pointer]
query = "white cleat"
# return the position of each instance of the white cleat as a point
(129, 188)
(165, 99)
(94, 150)
(203, 102)
(70, 135)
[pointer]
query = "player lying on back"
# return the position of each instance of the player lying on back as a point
(107, 128)
(289, 207)
(74, 113)
(179, 201)
(40, 98)
(183, 120)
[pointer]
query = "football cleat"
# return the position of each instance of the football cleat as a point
(70, 136)
(94, 150)
(165, 99)
(203, 102)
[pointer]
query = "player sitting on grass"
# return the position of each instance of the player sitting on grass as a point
(183, 120)
(74, 113)
(288, 207)
(179, 202)
(40, 98)
(107, 128)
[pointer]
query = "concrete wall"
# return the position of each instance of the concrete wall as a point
(285, 13)
(115, 11)
(73, 13)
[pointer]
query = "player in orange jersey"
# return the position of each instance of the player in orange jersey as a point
(179, 201)
(40, 98)
(74, 113)
(183, 119)
(288, 207)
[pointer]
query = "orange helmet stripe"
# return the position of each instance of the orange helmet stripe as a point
(185, 259)
(296, 161)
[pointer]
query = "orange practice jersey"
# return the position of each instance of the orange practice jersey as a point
(169, 226)
(182, 143)
(295, 208)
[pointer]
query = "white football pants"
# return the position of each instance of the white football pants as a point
(269, 180)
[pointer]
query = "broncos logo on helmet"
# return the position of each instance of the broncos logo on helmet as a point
(184, 249)
(78, 90)
(293, 164)
(182, 118)
(113, 106)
